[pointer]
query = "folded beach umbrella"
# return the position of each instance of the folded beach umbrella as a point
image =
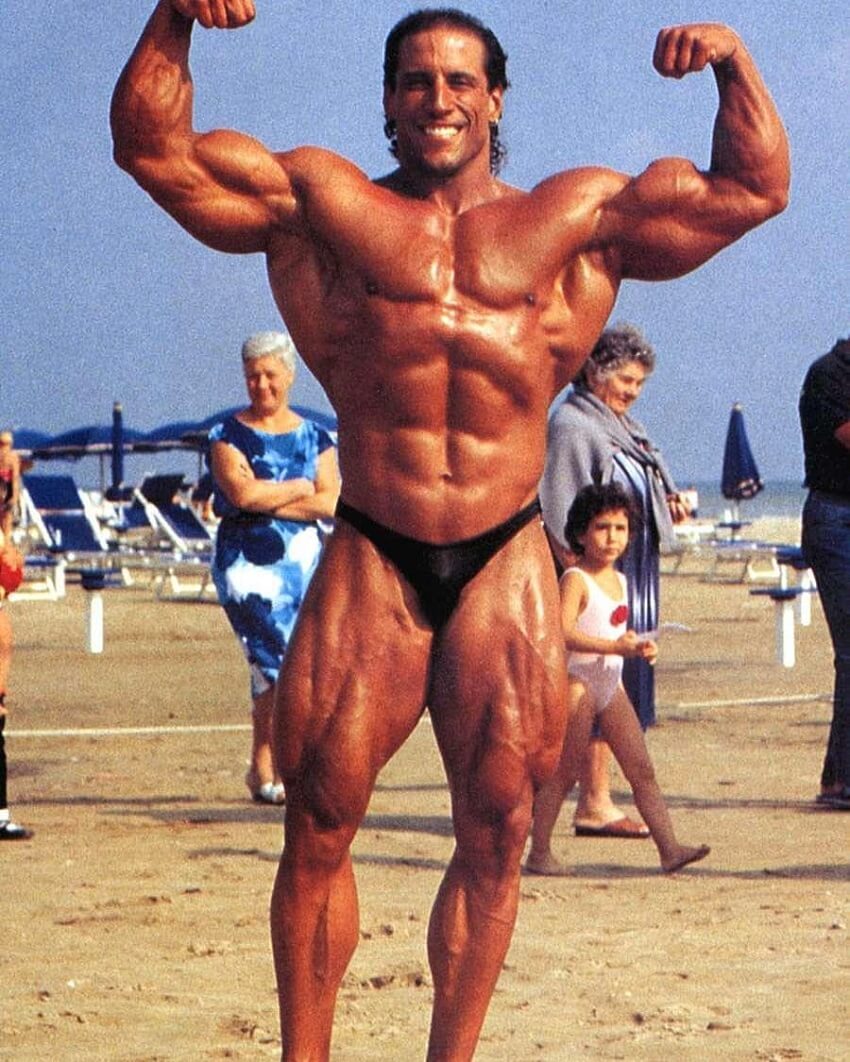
(117, 462)
(741, 477)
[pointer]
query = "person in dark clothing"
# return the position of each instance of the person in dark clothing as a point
(825, 421)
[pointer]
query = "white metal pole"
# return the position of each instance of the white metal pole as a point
(94, 624)
(785, 632)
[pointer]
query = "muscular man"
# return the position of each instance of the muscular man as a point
(441, 309)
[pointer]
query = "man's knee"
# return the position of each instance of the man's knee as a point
(490, 848)
(499, 787)
(494, 816)
(511, 769)
(325, 806)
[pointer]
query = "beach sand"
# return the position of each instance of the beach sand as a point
(135, 922)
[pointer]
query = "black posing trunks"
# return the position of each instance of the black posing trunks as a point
(438, 573)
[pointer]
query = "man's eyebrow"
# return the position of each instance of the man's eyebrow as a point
(460, 72)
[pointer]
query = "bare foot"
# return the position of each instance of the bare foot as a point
(547, 865)
(685, 856)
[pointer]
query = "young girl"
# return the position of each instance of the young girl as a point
(593, 616)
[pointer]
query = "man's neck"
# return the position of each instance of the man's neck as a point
(452, 194)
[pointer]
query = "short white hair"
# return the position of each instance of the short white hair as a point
(270, 344)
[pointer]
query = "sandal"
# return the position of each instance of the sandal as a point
(264, 792)
(623, 827)
(269, 793)
(11, 831)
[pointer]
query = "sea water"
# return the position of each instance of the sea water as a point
(780, 498)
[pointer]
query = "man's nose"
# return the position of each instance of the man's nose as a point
(441, 100)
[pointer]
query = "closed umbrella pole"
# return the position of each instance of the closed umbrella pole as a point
(740, 479)
(117, 447)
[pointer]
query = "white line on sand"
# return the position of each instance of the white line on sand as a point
(141, 731)
(799, 698)
(222, 728)
(128, 731)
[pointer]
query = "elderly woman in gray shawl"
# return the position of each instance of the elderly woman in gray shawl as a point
(592, 439)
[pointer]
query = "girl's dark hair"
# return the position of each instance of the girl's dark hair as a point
(589, 503)
(495, 63)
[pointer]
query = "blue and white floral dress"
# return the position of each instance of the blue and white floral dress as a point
(262, 565)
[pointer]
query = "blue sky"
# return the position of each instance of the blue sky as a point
(105, 298)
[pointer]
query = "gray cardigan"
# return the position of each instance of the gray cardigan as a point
(582, 438)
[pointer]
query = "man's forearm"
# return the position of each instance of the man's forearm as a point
(153, 97)
(749, 143)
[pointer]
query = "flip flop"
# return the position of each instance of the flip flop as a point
(624, 828)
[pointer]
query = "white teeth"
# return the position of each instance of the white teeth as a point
(442, 131)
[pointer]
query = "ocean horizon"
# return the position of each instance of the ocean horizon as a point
(780, 498)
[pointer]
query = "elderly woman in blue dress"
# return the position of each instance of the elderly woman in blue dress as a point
(593, 439)
(276, 478)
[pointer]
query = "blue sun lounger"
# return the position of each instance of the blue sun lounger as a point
(159, 498)
(64, 518)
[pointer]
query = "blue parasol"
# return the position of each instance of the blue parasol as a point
(97, 440)
(26, 439)
(741, 477)
(192, 434)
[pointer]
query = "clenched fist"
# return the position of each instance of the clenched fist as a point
(217, 14)
(681, 50)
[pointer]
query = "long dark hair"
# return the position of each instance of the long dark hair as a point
(495, 64)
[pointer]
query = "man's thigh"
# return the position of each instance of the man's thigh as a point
(498, 688)
(354, 678)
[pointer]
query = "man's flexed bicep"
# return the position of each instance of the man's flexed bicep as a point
(674, 217)
(225, 188)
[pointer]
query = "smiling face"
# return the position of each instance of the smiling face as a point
(619, 389)
(441, 105)
(268, 381)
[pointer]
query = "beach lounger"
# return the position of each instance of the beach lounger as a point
(693, 549)
(722, 559)
(744, 561)
(170, 516)
(186, 578)
(63, 516)
(172, 545)
(69, 537)
(44, 579)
